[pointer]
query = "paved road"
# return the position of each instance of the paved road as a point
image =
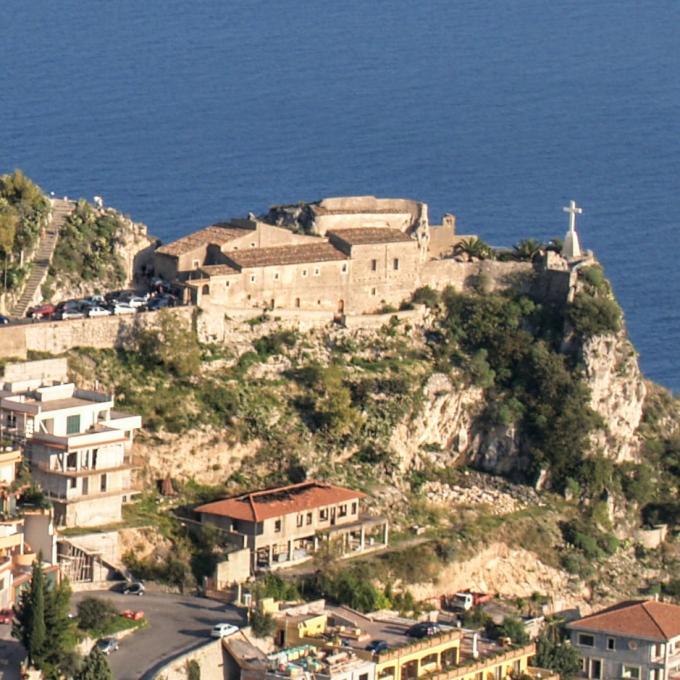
(11, 654)
(176, 624)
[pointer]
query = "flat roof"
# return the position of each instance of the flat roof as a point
(268, 503)
(283, 255)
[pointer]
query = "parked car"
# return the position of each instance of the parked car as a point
(377, 646)
(161, 302)
(71, 313)
(98, 311)
(107, 645)
(424, 629)
(122, 308)
(6, 616)
(3, 319)
(94, 301)
(136, 301)
(41, 311)
(135, 588)
(223, 630)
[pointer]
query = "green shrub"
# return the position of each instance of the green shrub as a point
(95, 613)
(592, 316)
(262, 625)
(426, 296)
(193, 670)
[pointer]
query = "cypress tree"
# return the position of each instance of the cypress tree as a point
(29, 627)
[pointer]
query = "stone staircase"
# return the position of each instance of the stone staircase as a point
(42, 257)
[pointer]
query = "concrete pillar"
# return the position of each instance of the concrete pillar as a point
(362, 540)
(316, 543)
(290, 550)
(475, 647)
(386, 533)
(271, 554)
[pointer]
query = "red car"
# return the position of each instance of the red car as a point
(132, 615)
(41, 311)
(6, 616)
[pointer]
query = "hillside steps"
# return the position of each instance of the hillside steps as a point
(42, 256)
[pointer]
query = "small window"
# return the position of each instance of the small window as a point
(372, 291)
(206, 289)
(226, 284)
(72, 424)
(344, 268)
(317, 271)
(304, 273)
(611, 644)
(252, 278)
(300, 519)
(630, 672)
(196, 264)
(354, 508)
(374, 265)
(323, 514)
(395, 263)
(276, 276)
(277, 525)
(72, 483)
(363, 676)
(586, 640)
(252, 245)
(102, 483)
(342, 511)
(309, 518)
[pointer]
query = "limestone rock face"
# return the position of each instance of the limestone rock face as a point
(617, 394)
(442, 432)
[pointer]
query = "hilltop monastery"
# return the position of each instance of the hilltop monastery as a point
(352, 254)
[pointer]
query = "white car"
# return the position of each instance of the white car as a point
(223, 630)
(123, 308)
(71, 314)
(136, 301)
(98, 311)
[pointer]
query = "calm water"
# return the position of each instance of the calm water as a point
(181, 113)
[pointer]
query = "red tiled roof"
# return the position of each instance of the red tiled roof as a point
(216, 233)
(297, 254)
(261, 505)
(366, 235)
(659, 621)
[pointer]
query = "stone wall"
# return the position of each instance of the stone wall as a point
(210, 658)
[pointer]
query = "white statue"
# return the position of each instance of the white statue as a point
(572, 249)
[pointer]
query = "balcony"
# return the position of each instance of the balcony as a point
(96, 437)
(82, 471)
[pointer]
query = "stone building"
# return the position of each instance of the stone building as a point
(288, 524)
(77, 446)
(352, 254)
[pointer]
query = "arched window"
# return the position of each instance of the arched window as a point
(206, 289)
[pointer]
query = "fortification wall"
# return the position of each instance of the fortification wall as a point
(229, 325)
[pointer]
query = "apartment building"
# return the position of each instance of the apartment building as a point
(289, 524)
(77, 446)
(633, 639)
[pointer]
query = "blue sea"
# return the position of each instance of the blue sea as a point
(182, 113)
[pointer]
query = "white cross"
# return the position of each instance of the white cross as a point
(573, 211)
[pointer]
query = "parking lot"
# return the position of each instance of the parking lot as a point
(176, 624)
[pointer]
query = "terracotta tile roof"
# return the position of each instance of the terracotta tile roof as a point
(216, 233)
(651, 620)
(298, 254)
(261, 505)
(366, 235)
(219, 270)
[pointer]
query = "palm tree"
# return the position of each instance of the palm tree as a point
(527, 249)
(475, 247)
